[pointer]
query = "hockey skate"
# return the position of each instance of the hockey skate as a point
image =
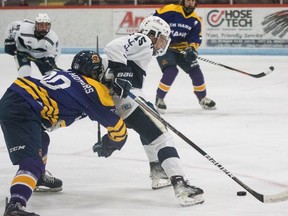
(158, 176)
(207, 103)
(187, 195)
(16, 209)
(48, 183)
(160, 105)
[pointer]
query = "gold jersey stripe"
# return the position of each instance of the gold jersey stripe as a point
(118, 132)
(50, 110)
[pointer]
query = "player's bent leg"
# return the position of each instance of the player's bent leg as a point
(199, 86)
(169, 74)
(153, 130)
(46, 182)
(186, 194)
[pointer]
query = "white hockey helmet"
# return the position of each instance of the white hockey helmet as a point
(42, 25)
(159, 33)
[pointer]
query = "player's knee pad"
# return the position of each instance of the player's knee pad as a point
(163, 141)
(141, 119)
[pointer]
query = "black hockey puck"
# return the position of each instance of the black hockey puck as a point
(241, 193)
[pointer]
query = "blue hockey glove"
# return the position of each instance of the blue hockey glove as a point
(190, 54)
(103, 147)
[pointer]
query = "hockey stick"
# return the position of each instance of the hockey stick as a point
(31, 58)
(98, 125)
(262, 74)
(262, 198)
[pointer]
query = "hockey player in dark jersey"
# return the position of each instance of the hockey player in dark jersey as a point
(186, 37)
(30, 107)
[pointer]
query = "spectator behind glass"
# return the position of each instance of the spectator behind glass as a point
(23, 3)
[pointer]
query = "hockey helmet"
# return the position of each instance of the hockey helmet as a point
(42, 25)
(88, 63)
(159, 33)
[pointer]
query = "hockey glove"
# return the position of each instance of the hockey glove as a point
(50, 61)
(190, 54)
(121, 87)
(123, 81)
(103, 147)
(10, 47)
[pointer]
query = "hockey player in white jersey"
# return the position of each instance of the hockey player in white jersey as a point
(32, 41)
(128, 59)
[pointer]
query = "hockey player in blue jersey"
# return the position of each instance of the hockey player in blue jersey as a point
(30, 107)
(186, 37)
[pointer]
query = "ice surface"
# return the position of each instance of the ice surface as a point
(247, 134)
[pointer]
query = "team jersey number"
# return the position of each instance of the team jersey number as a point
(56, 81)
(140, 39)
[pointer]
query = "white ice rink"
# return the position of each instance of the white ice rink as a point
(247, 134)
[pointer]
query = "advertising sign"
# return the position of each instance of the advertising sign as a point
(246, 28)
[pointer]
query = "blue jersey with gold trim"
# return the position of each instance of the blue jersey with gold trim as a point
(185, 30)
(66, 96)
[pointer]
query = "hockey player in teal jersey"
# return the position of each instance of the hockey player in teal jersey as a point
(186, 37)
(30, 107)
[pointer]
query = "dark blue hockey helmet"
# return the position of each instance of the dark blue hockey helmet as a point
(88, 63)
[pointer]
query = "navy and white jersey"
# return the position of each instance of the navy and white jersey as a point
(67, 96)
(135, 51)
(23, 34)
(185, 30)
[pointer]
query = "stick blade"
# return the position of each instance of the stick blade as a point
(271, 69)
(280, 197)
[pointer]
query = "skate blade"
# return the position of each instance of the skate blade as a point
(186, 201)
(161, 111)
(160, 183)
(46, 189)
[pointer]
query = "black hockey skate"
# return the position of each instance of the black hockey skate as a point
(160, 105)
(207, 103)
(187, 195)
(48, 183)
(158, 176)
(16, 209)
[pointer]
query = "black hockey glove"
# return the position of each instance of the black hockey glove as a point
(122, 82)
(103, 147)
(10, 47)
(121, 87)
(50, 61)
(190, 54)
(45, 64)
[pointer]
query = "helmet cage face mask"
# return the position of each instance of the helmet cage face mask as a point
(161, 45)
(88, 63)
(42, 25)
